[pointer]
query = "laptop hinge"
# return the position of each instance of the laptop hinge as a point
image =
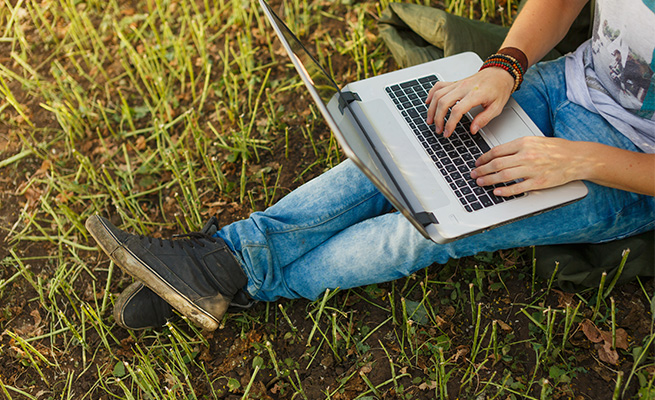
(346, 98)
(426, 218)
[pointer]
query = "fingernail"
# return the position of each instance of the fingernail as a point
(474, 174)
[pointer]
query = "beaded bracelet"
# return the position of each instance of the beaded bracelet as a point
(512, 60)
(517, 54)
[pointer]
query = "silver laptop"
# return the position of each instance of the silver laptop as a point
(380, 124)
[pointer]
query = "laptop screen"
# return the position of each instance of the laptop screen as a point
(359, 148)
(319, 78)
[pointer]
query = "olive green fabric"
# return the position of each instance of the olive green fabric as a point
(416, 34)
(580, 266)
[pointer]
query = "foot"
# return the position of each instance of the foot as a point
(138, 307)
(195, 273)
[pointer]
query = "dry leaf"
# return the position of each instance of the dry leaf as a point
(504, 326)
(591, 331)
(31, 330)
(621, 339)
(276, 388)
(366, 369)
(449, 311)
(428, 386)
(607, 354)
(45, 167)
(605, 351)
(37, 317)
(564, 299)
(140, 143)
(63, 197)
(462, 351)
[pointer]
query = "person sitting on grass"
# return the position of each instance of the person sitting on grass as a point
(338, 231)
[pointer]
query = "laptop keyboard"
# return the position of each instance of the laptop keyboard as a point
(454, 156)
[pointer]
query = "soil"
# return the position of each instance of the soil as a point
(231, 352)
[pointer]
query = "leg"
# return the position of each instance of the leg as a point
(268, 241)
(388, 247)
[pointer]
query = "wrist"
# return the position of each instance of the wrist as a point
(511, 65)
(587, 161)
(518, 55)
(500, 77)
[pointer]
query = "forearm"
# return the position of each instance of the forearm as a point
(542, 24)
(545, 162)
(617, 168)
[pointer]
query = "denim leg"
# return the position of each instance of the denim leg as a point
(266, 242)
(388, 247)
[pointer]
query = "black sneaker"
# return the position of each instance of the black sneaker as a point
(195, 273)
(138, 307)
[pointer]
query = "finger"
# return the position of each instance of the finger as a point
(482, 119)
(514, 189)
(502, 150)
(439, 90)
(458, 110)
(437, 86)
(494, 166)
(439, 105)
(502, 176)
(456, 113)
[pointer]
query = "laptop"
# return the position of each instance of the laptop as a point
(379, 123)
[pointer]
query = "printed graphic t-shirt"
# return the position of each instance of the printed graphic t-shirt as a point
(614, 72)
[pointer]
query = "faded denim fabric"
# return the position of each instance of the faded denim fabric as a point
(336, 231)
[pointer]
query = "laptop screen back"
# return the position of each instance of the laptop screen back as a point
(323, 88)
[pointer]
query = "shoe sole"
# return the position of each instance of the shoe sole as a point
(139, 270)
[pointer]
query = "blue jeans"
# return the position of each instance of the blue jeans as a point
(336, 231)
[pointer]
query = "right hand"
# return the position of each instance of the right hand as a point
(489, 88)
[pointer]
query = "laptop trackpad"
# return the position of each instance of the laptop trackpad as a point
(507, 126)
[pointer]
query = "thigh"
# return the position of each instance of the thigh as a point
(542, 90)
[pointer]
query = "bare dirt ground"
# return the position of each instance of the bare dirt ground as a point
(353, 367)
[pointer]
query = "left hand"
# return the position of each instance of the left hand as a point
(489, 88)
(541, 162)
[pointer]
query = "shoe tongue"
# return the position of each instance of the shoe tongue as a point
(211, 227)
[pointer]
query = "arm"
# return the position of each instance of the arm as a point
(541, 25)
(538, 28)
(547, 162)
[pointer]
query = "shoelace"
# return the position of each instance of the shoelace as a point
(183, 239)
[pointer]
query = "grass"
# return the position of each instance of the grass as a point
(164, 112)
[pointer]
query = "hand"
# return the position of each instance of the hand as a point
(541, 162)
(489, 88)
